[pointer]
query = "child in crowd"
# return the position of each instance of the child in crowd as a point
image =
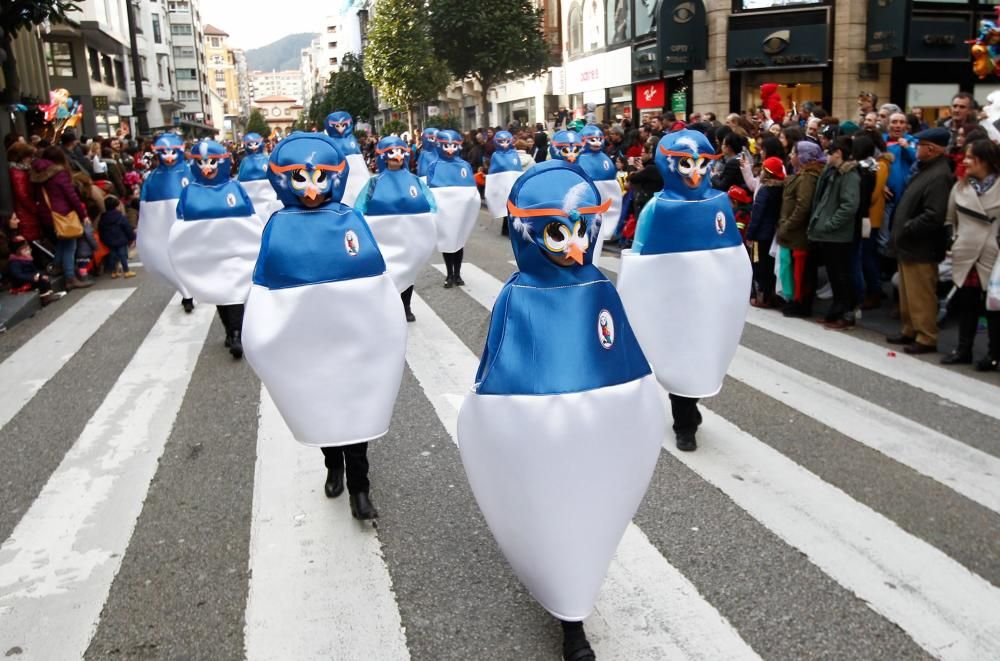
(117, 234)
(25, 275)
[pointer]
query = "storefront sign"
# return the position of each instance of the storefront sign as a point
(678, 104)
(681, 35)
(100, 103)
(802, 43)
(598, 72)
(939, 38)
(651, 95)
(885, 35)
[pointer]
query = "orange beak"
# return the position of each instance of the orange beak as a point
(571, 157)
(575, 254)
(695, 179)
(312, 192)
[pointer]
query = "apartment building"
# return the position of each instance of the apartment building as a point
(187, 40)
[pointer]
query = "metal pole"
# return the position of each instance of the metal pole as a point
(138, 104)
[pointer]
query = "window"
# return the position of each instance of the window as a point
(183, 51)
(575, 29)
(160, 67)
(331, 29)
(186, 74)
(332, 44)
(157, 37)
(217, 60)
(619, 25)
(180, 29)
(143, 69)
(187, 95)
(215, 42)
(108, 68)
(95, 64)
(120, 74)
(179, 5)
(220, 76)
(772, 4)
(645, 16)
(333, 60)
(59, 56)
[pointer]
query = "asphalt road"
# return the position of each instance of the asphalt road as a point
(793, 534)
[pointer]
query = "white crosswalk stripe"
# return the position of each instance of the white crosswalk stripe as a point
(321, 585)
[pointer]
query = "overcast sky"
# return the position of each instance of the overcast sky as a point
(255, 23)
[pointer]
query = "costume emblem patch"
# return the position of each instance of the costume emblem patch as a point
(606, 329)
(607, 166)
(413, 191)
(231, 200)
(351, 244)
(184, 181)
(465, 173)
(720, 222)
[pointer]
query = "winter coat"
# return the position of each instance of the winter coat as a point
(56, 181)
(765, 212)
(796, 206)
(835, 205)
(115, 230)
(731, 175)
(974, 220)
(876, 210)
(918, 232)
(25, 202)
(903, 160)
(22, 270)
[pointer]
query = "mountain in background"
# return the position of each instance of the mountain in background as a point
(281, 55)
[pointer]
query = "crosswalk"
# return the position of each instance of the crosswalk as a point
(861, 577)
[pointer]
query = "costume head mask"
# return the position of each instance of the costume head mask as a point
(683, 159)
(428, 139)
(504, 140)
(392, 148)
(565, 146)
(253, 143)
(449, 143)
(170, 149)
(211, 164)
(307, 167)
(339, 124)
(592, 137)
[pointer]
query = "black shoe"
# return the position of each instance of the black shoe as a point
(449, 282)
(409, 317)
(796, 310)
(900, 339)
(916, 348)
(187, 304)
(236, 345)
(334, 482)
(686, 441)
(576, 647)
(957, 357)
(458, 281)
(987, 363)
(361, 507)
(229, 341)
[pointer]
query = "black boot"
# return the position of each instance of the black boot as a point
(235, 345)
(409, 316)
(334, 482)
(361, 507)
(960, 356)
(187, 304)
(576, 647)
(449, 282)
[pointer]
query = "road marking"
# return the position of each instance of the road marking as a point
(676, 622)
(952, 386)
(41, 357)
(319, 585)
(57, 567)
(971, 472)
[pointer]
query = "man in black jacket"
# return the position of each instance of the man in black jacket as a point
(540, 150)
(918, 239)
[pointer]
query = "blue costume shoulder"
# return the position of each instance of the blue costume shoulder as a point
(347, 146)
(505, 161)
(394, 193)
(312, 246)
(669, 225)
(561, 339)
(597, 165)
(165, 183)
(226, 200)
(253, 167)
(425, 158)
(456, 172)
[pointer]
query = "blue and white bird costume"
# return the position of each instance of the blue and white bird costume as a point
(602, 170)
(505, 168)
(427, 153)
(562, 430)
(686, 281)
(565, 146)
(214, 244)
(158, 208)
(253, 177)
(322, 327)
(451, 180)
(340, 128)
(400, 211)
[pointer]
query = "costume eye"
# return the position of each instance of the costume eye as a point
(557, 237)
(580, 229)
(319, 177)
(685, 165)
(703, 165)
(300, 179)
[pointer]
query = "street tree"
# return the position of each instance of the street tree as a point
(399, 60)
(351, 91)
(16, 15)
(257, 124)
(495, 41)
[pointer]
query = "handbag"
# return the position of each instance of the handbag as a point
(67, 226)
(993, 289)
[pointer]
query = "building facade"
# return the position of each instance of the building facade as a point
(187, 40)
(280, 112)
(265, 84)
(221, 70)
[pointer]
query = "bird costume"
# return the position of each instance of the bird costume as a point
(457, 198)
(556, 468)
(340, 128)
(505, 168)
(427, 153)
(602, 170)
(158, 209)
(686, 281)
(253, 177)
(400, 210)
(322, 328)
(565, 146)
(214, 244)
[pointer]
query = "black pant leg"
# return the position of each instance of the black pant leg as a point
(449, 263)
(993, 332)
(837, 257)
(970, 304)
(224, 317)
(685, 412)
(356, 461)
(236, 317)
(458, 261)
(406, 295)
(333, 458)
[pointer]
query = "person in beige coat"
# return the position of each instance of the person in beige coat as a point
(974, 215)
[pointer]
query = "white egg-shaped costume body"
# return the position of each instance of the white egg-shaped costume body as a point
(505, 168)
(252, 176)
(158, 208)
(340, 128)
(602, 170)
(451, 180)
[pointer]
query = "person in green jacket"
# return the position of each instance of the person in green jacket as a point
(832, 231)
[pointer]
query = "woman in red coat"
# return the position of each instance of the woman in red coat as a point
(20, 155)
(51, 172)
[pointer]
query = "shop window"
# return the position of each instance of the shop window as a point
(645, 16)
(619, 24)
(574, 31)
(752, 5)
(94, 59)
(59, 57)
(933, 98)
